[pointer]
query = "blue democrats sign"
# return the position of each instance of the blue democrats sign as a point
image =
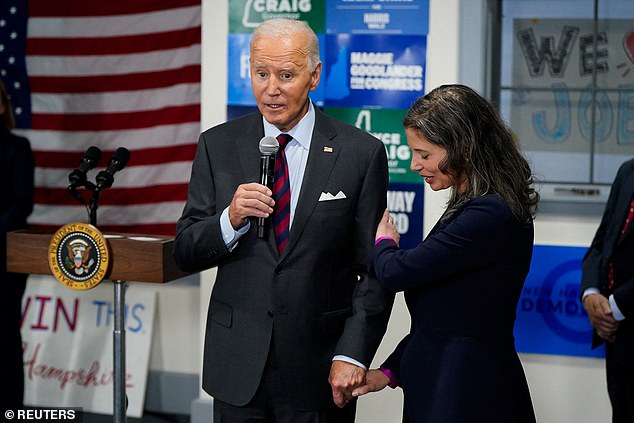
(550, 317)
(377, 71)
(409, 17)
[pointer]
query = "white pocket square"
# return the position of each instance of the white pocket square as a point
(326, 196)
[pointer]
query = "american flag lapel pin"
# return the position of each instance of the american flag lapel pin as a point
(327, 149)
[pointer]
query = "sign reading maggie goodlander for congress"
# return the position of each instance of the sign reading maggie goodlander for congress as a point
(378, 71)
(386, 125)
(409, 17)
(550, 317)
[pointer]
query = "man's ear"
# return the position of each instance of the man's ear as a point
(315, 76)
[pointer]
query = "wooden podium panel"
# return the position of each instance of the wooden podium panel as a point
(135, 258)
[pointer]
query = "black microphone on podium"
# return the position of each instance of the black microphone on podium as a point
(119, 159)
(268, 149)
(77, 177)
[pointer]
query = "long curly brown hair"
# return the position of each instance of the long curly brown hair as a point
(480, 148)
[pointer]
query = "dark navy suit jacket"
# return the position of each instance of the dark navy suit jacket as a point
(609, 245)
(310, 298)
(462, 285)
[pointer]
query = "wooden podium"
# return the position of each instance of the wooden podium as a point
(138, 258)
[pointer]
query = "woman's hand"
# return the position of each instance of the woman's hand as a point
(375, 380)
(386, 228)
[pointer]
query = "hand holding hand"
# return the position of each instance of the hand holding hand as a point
(375, 380)
(250, 200)
(344, 378)
(387, 228)
(600, 313)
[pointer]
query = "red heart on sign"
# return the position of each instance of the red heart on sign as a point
(628, 45)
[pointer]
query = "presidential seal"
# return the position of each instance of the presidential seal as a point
(78, 256)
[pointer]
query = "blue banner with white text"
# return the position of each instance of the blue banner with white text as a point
(550, 316)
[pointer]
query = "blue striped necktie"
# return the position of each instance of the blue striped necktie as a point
(281, 195)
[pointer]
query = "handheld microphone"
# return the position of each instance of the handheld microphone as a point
(268, 149)
(77, 177)
(119, 159)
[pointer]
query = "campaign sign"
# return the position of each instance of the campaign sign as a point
(238, 77)
(386, 125)
(405, 202)
(244, 15)
(550, 316)
(409, 17)
(67, 345)
(378, 71)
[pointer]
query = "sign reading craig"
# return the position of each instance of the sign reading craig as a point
(244, 15)
(78, 256)
(550, 316)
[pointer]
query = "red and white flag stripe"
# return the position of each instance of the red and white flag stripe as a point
(114, 74)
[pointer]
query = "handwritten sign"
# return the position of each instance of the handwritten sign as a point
(67, 344)
(559, 122)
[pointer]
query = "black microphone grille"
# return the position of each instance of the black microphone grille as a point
(122, 155)
(269, 146)
(93, 153)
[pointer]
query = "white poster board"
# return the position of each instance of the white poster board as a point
(554, 125)
(68, 345)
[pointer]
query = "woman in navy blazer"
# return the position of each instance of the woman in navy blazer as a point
(462, 283)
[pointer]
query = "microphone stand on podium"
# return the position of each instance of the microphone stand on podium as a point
(152, 260)
(104, 180)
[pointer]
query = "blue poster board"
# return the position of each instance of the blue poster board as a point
(239, 82)
(407, 17)
(550, 316)
(378, 71)
(405, 202)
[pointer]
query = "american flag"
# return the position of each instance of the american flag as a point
(108, 74)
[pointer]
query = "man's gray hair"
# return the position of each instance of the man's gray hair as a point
(290, 27)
